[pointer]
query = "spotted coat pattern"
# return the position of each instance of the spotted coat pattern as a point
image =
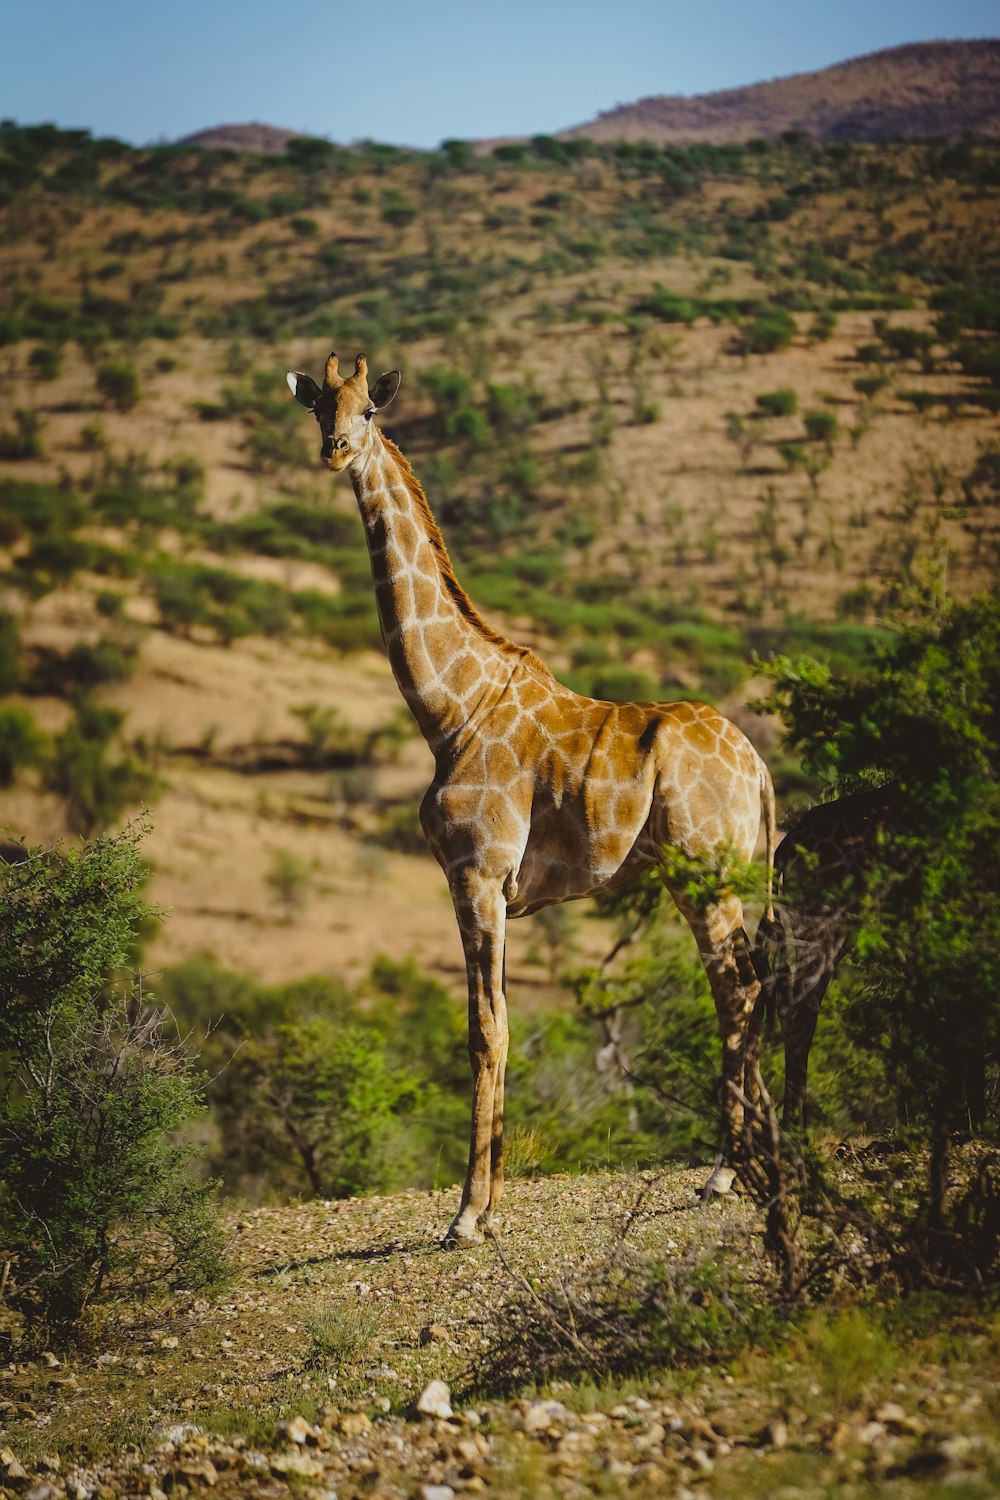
(539, 795)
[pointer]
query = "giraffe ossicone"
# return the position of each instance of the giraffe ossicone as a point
(539, 795)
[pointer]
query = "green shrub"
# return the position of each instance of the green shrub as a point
(45, 361)
(21, 742)
(769, 331)
(24, 440)
(780, 403)
(668, 306)
(96, 786)
(823, 325)
(11, 655)
(291, 879)
(119, 384)
(94, 1181)
(870, 385)
(88, 665)
(821, 427)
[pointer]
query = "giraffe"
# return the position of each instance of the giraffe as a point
(539, 795)
(821, 867)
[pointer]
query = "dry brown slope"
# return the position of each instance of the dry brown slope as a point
(925, 89)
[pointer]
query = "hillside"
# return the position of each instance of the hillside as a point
(303, 1375)
(670, 407)
(926, 90)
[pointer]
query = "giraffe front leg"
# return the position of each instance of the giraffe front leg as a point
(482, 919)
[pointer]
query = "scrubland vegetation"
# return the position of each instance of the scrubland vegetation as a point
(717, 421)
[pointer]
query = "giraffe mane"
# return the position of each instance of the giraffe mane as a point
(447, 572)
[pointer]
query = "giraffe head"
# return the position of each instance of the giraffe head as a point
(343, 408)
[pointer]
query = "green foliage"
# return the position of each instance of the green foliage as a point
(11, 655)
(769, 331)
(922, 714)
(320, 1097)
(821, 427)
(21, 742)
(96, 784)
(45, 361)
(24, 440)
(96, 1191)
(780, 403)
(119, 384)
(291, 880)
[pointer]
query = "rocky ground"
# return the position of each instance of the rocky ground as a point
(351, 1356)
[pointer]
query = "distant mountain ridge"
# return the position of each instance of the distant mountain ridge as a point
(262, 140)
(946, 90)
(924, 89)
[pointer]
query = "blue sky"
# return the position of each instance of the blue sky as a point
(417, 72)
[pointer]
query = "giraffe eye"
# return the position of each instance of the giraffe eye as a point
(369, 413)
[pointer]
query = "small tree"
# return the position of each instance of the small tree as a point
(780, 403)
(94, 1184)
(923, 715)
(291, 880)
(119, 384)
(96, 786)
(821, 427)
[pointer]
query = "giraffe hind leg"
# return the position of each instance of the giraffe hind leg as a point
(728, 959)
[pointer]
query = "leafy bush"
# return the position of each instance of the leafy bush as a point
(45, 361)
(96, 786)
(95, 1188)
(780, 403)
(821, 427)
(21, 742)
(769, 331)
(119, 384)
(922, 714)
(24, 440)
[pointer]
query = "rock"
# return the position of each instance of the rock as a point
(434, 1333)
(698, 1459)
(197, 1471)
(538, 1417)
(870, 1433)
(297, 1464)
(435, 1400)
(897, 1420)
(437, 1491)
(173, 1434)
(297, 1430)
(51, 1462)
(45, 1490)
(776, 1432)
(353, 1423)
(13, 1472)
(721, 1180)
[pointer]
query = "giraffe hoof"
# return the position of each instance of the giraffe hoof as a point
(462, 1234)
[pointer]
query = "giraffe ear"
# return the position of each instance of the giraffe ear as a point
(303, 388)
(384, 389)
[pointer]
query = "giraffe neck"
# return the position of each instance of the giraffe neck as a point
(446, 660)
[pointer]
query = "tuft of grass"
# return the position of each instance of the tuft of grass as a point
(848, 1351)
(341, 1331)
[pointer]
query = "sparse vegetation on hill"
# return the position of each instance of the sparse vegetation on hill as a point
(941, 90)
(672, 407)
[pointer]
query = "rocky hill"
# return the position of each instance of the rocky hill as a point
(259, 140)
(946, 90)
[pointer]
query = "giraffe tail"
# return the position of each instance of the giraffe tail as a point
(770, 832)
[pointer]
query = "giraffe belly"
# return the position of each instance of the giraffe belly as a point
(566, 863)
